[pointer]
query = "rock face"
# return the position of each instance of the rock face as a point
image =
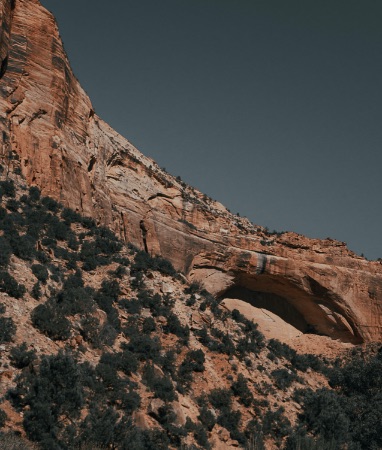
(48, 125)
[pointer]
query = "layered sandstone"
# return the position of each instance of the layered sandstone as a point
(48, 123)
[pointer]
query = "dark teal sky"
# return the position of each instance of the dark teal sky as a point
(272, 107)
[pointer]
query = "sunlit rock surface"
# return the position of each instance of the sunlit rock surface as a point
(47, 121)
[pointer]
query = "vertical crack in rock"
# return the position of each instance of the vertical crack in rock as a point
(4, 66)
(261, 263)
(144, 235)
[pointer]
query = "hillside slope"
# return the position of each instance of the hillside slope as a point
(104, 346)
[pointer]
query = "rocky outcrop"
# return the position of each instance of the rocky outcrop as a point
(49, 126)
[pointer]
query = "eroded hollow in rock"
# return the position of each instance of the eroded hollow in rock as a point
(303, 310)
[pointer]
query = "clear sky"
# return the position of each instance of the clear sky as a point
(272, 107)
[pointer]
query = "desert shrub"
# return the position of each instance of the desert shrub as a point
(7, 329)
(230, 420)
(40, 272)
(75, 299)
(5, 252)
(191, 301)
(50, 204)
(20, 356)
(49, 242)
(237, 316)
(161, 386)
(131, 401)
(91, 256)
(166, 417)
(281, 350)
(107, 246)
(9, 285)
(240, 389)
(106, 336)
(300, 440)
(193, 288)
(143, 262)
(207, 418)
(193, 362)
(57, 229)
(101, 427)
(34, 194)
(254, 435)
(253, 340)
(54, 392)
(119, 272)
(13, 204)
(42, 257)
(49, 320)
(225, 345)
(201, 437)
(220, 398)
(325, 414)
(167, 362)
(148, 325)
(132, 306)
(7, 188)
(70, 216)
(90, 329)
(175, 327)
(159, 306)
(144, 347)
(275, 424)
(283, 378)
(111, 289)
(306, 361)
(24, 246)
(36, 291)
(3, 418)
(125, 361)
(12, 441)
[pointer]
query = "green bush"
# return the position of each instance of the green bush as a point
(207, 418)
(9, 285)
(193, 362)
(21, 357)
(240, 389)
(36, 291)
(5, 252)
(175, 327)
(7, 329)
(40, 272)
(7, 188)
(144, 347)
(3, 418)
(161, 386)
(34, 194)
(275, 424)
(284, 378)
(50, 321)
(143, 262)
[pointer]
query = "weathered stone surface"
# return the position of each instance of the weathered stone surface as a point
(71, 154)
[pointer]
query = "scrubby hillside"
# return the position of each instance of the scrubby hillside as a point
(72, 155)
(104, 346)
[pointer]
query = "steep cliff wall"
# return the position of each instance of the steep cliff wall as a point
(48, 122)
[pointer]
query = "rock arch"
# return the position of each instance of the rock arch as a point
(306, 311)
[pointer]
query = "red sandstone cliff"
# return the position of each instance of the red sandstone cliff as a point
(71, 154)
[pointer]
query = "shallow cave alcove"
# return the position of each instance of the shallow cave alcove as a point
(305, 311)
